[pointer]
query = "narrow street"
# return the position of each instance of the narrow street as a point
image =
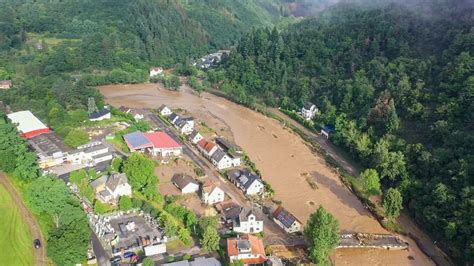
(235, 194)
(100, 253)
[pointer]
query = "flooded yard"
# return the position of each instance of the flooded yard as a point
(284, 161)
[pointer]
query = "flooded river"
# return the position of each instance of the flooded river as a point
(284, 161)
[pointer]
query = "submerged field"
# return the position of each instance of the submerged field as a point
(15, 238)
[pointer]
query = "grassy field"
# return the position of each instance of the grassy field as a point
(15, 238)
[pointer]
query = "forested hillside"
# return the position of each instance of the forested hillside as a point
(397, 83)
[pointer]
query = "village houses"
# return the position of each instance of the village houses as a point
(185, 125)
(173, 117)
(207, 148)
(247, 248)
(286, 220)
(308, 111)
(164, 110)
(195, 137)
(249, 221)
(223, 160)
(109, 189)
(211, 193)
(248, 182)
(185, 183)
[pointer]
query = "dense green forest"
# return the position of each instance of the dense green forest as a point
(397, 83)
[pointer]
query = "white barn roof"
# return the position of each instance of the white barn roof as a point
(26, 121)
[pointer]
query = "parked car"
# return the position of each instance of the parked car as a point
(116, 259)
(129, 254)
(37, 243)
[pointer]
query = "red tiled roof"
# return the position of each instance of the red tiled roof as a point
(257, 247)
(161, 140)
(35, 133)
(206, 145)
(259, 260)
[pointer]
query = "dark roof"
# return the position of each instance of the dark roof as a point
(218, 155)
(99, 181)
(244, 177)
(173, 116)
(245, 213)
(243, 244)
(329, 128)
(99, 114)
(286, 218)
(308, 105)
(229, 210)
(182, 180)
(193, 134)
(94, 148)
(162, 107)
(227, 145)
(48, 144)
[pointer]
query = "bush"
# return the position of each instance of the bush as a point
(76, 137)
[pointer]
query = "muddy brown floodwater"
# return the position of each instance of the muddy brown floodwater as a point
(284, 161)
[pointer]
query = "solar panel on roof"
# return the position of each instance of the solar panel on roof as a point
(286, 218)
(136, 139)
(243, 179)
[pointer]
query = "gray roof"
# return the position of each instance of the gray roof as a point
(115, 180)
(48, 144)
(177, 263)
(194, 134)
(244, 214)
(308, 105)
(95, 148)
(201, 261)
(182, 180)
(173, 116)
(99, 181)
(244, 177)
(227, 145)
(230, 211)
(243, 244)
(99, 114)
(218, 155)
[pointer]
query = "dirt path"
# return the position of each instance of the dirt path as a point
(423, 241)
(27, 217)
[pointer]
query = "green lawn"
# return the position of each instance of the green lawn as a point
(16, 243)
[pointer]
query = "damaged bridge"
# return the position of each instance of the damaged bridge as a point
(374, 241)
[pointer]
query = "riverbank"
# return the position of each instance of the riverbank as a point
(283, 158)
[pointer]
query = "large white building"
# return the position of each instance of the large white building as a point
(308, 111)
(27, 124)
(249, 221)
(212, 194)
(248, 249)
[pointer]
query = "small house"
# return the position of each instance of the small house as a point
(248, 182)
(308, 111)
(100, 115)
(249, 221)
(195, 137)
(5, 84)
(223, 160)
(247, 249)
(286, 220)
(115, 187)
(185, 183)
(207, 148)
(173, 117)
(156, 71)
(164, 110)
(211, 194)
(327, 131)
(229, 211)
(185, 125)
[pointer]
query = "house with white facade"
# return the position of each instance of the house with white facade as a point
(221, 160)
(247, 248)
(173, 117)
(93, 153)
(309, 110)
(156, 71)
(211, 194)
(207, 148)
(164, 110)
(287, 221)
(185, 183)
(249, 221)
(248, 182)
(185, 125)
(195, 137)
(114, 187)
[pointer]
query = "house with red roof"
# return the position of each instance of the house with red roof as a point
(156, 71)
(207, 148)
(163, 144)
(247, 249)
(286, 220)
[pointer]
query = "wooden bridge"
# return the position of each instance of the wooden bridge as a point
(375, 241)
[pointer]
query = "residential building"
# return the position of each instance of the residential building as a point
(115, 187)
(223, 160)
(233, 151)
(308, 111)
(249, 221)
(164, 110)
(211, 194)
(195, 137)
(94, 153)
(100, 115)
(200, 261)
(156, 71)
(207, 148)
(185, 183)
(27, 124)
(247, 249)
(173, 117)
(229, 211)
(99, 184)
(327, 131)
(185, 125)
(163, 144)
(248, 182)
(49, 149)
(5, 84)
(286, 220)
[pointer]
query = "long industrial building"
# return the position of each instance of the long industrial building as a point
(28, 124)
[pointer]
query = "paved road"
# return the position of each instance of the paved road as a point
(100, 253)
(28, 218)
(200, 161)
